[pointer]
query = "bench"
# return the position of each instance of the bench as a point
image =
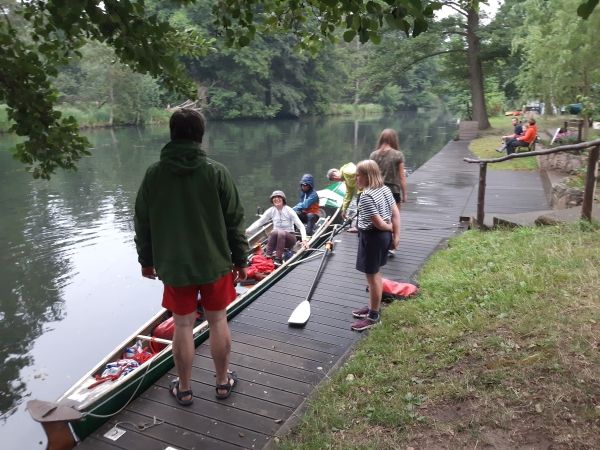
(529, 148)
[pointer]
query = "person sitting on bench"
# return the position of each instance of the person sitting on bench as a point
(518, 131)
(525, 140)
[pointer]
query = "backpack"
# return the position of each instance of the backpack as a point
(398, 289)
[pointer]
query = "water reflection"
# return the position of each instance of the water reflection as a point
(70, 288)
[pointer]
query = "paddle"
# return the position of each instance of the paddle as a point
(301, 314)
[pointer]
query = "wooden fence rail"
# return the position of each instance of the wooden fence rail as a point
(590, 181)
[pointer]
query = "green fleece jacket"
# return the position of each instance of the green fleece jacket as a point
(189, 221)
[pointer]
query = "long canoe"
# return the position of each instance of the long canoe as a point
(104, 400)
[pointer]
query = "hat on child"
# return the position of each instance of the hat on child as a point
(278, 194)
(330, 172)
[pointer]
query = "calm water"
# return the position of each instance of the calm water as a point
(70, 284)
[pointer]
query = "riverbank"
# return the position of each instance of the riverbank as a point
(99, 117)
(499, 349)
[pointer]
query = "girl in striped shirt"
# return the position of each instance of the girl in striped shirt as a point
(379, 231)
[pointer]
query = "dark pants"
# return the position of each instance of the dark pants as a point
(278, 240)
(511, 144)
(373, 246)
(310, 219)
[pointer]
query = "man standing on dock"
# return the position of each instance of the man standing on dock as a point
(189, 227)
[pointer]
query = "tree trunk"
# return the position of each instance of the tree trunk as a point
(202, 90)
(112, 102)
(475, 70)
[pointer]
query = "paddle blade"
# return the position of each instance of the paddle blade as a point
(301, 314)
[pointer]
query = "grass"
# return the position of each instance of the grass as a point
(485, 148)
(346, 108)
(499, 350)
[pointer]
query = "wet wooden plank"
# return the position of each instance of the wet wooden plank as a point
(235, 410)
(253, 375)
(300, 341)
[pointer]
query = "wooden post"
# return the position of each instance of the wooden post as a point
(580, 131)
(481, 194)
(590, 184)
(566, 126)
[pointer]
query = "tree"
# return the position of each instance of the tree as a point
(55, 30)
(560, 58)
(37, 37)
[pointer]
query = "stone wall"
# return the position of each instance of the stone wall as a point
(564, 197)
(562, 161)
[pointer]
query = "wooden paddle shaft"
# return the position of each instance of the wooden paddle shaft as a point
(328, 247)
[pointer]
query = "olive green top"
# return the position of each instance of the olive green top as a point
(189, 221)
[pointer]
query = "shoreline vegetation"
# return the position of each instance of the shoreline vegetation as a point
(92, 117)
(499, 349)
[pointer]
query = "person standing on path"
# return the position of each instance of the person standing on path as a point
(379, 231)
(391, 160)
(189, 233)
(347, 175)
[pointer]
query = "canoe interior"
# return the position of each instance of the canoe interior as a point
(108, 398)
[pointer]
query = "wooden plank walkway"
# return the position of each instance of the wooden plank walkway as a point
(280, 366)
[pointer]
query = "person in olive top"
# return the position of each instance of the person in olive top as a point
(189, 233)
(391, 160)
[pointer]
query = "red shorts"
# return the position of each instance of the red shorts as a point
(183, 300)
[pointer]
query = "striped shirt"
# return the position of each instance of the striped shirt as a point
(375, 202)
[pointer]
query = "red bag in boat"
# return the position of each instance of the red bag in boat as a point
(398, 290)
(165, 330)
(260, 264)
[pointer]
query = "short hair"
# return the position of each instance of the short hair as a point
(531, 121)
(330, 173)
(514, 118)
(187, 123)
(389, 137)
(370, 168)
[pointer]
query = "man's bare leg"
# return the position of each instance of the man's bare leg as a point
(183, 350)
(220, 345)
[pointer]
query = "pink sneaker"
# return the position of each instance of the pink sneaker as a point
(360, 313)
(364, 324)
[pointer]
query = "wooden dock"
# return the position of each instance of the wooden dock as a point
(279, 366)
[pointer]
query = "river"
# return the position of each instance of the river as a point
(70, 284)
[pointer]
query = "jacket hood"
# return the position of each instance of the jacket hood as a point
(183, 156)
(307, 178)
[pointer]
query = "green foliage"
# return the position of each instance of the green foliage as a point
(50, 34)
(241, 21)
(494, 97)
(389, 97)
(559, 53)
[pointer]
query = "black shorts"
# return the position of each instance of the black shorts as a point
(373, 246)
(397, 197)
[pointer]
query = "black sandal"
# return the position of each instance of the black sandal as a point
(180, 394)
(229, 387)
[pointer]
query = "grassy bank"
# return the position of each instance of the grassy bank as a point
(97, 117)
(500, 350)
(336, 109)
